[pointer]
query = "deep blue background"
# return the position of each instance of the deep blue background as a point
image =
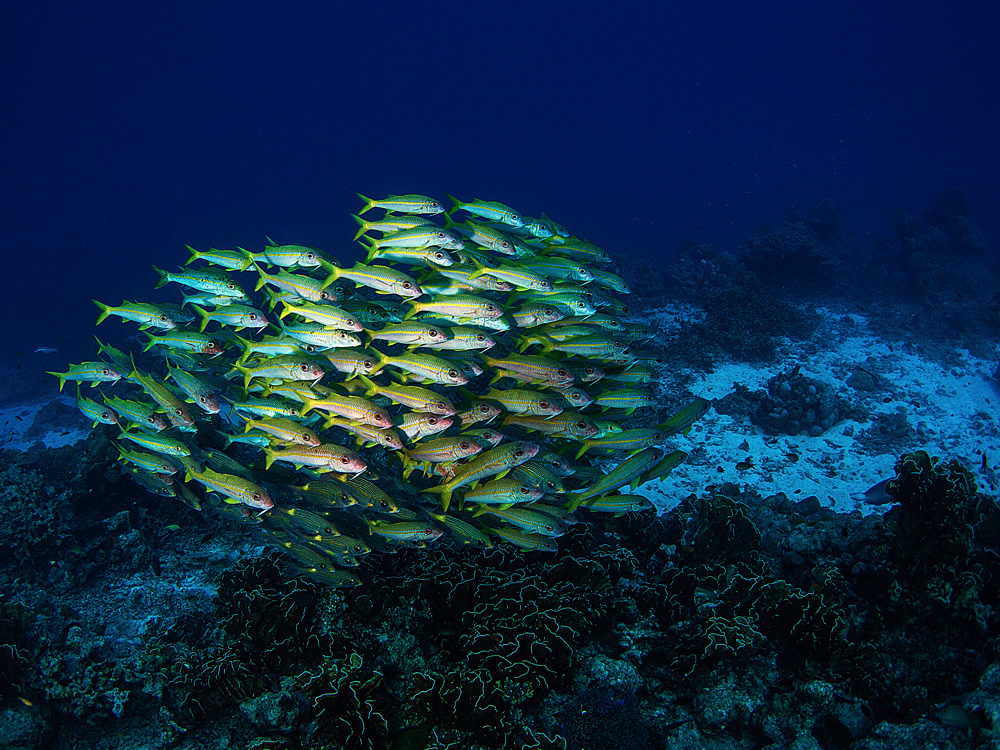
(129, 131)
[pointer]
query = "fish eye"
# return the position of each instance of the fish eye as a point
(504, 243)
(368, 364)
(163, 318)
(549, 311)
(453, 373)
(490, 308)
(105, 415)
(464, 446)
(303, 367)
(519, 452)
(440, 235)
(439, 256)
(432, 421)
(480, 337)
(544, 404)
(562, 372)
(343, 459)
(589, 370)
(230, 286)
(439, 404)
(523, 490)
(582, 425)
(105, 371)
(255, 496)
(515, 217)
(203, 399)
(407, 285)
(324, 295)
(252, 316)
(177, 412)
(310, 256)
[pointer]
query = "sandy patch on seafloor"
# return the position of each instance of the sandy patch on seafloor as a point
(952, 408)
(16, 422)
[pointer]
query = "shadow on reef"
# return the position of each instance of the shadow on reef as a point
(731, 621)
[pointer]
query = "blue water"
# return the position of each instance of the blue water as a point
(132, 130)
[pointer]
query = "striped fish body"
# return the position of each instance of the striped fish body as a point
(289, 256)
(405, 531)
(618, 504)
(305, 287)
(88, 372)
(326, 315)
(284, 430)
(184, 341)
(530, 521)
(404, 204)
(349, 407)
(426, 367)
(234, 260)
(518, 401)
(95, 412)
(506, 491)
(428, 235)
(164, 444)
(627, 440)
(235, 487)
(623, 398)
(135, 411)
(148, 316)
(492, 210)
(389, 224)
(495, 461)
(463, 338)
(410, 334)
(366, 434)
(464, 534)
(534, 367)
(325, 456)
(526, 540)
(203, 279)
(417, 425)
(627, 472)
(568, 424)
(458, 306)
(382, 279)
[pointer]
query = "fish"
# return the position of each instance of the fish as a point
(493, 210)
(877, 494)
(442, 300)
(408, 204)
(147, 315)
(88, 372)
(496, 461)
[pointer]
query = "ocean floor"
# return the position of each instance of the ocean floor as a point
(952, 410)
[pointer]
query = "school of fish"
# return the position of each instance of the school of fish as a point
(470, 383)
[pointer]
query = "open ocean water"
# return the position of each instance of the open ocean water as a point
(649, 401)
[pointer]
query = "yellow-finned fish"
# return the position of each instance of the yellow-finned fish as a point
(88, 372)
(496, 461)
(406, 204)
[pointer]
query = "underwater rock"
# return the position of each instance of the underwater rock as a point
(797, 405)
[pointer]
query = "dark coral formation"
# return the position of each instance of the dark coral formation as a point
(796, 404)
(756, 619)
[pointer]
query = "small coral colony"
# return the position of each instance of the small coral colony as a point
(473, 381)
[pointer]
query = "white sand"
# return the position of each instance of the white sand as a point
(954, 409)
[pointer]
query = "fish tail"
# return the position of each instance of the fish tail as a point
(262, 280)
(163, 277)
(150, 343)
(480, 269)
(334, 275)
(445, 491)
(105, 311)
(369, 204)
(284, 313)
(204, 317)
(583, 449)
(573, 501)
(195, 255)
(456, 204)
(268, 458)
(412, 311)
(61, 376)
(307, 406)
(370, 388)
(362, 224)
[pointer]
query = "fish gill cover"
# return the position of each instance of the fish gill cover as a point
(468, 381)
